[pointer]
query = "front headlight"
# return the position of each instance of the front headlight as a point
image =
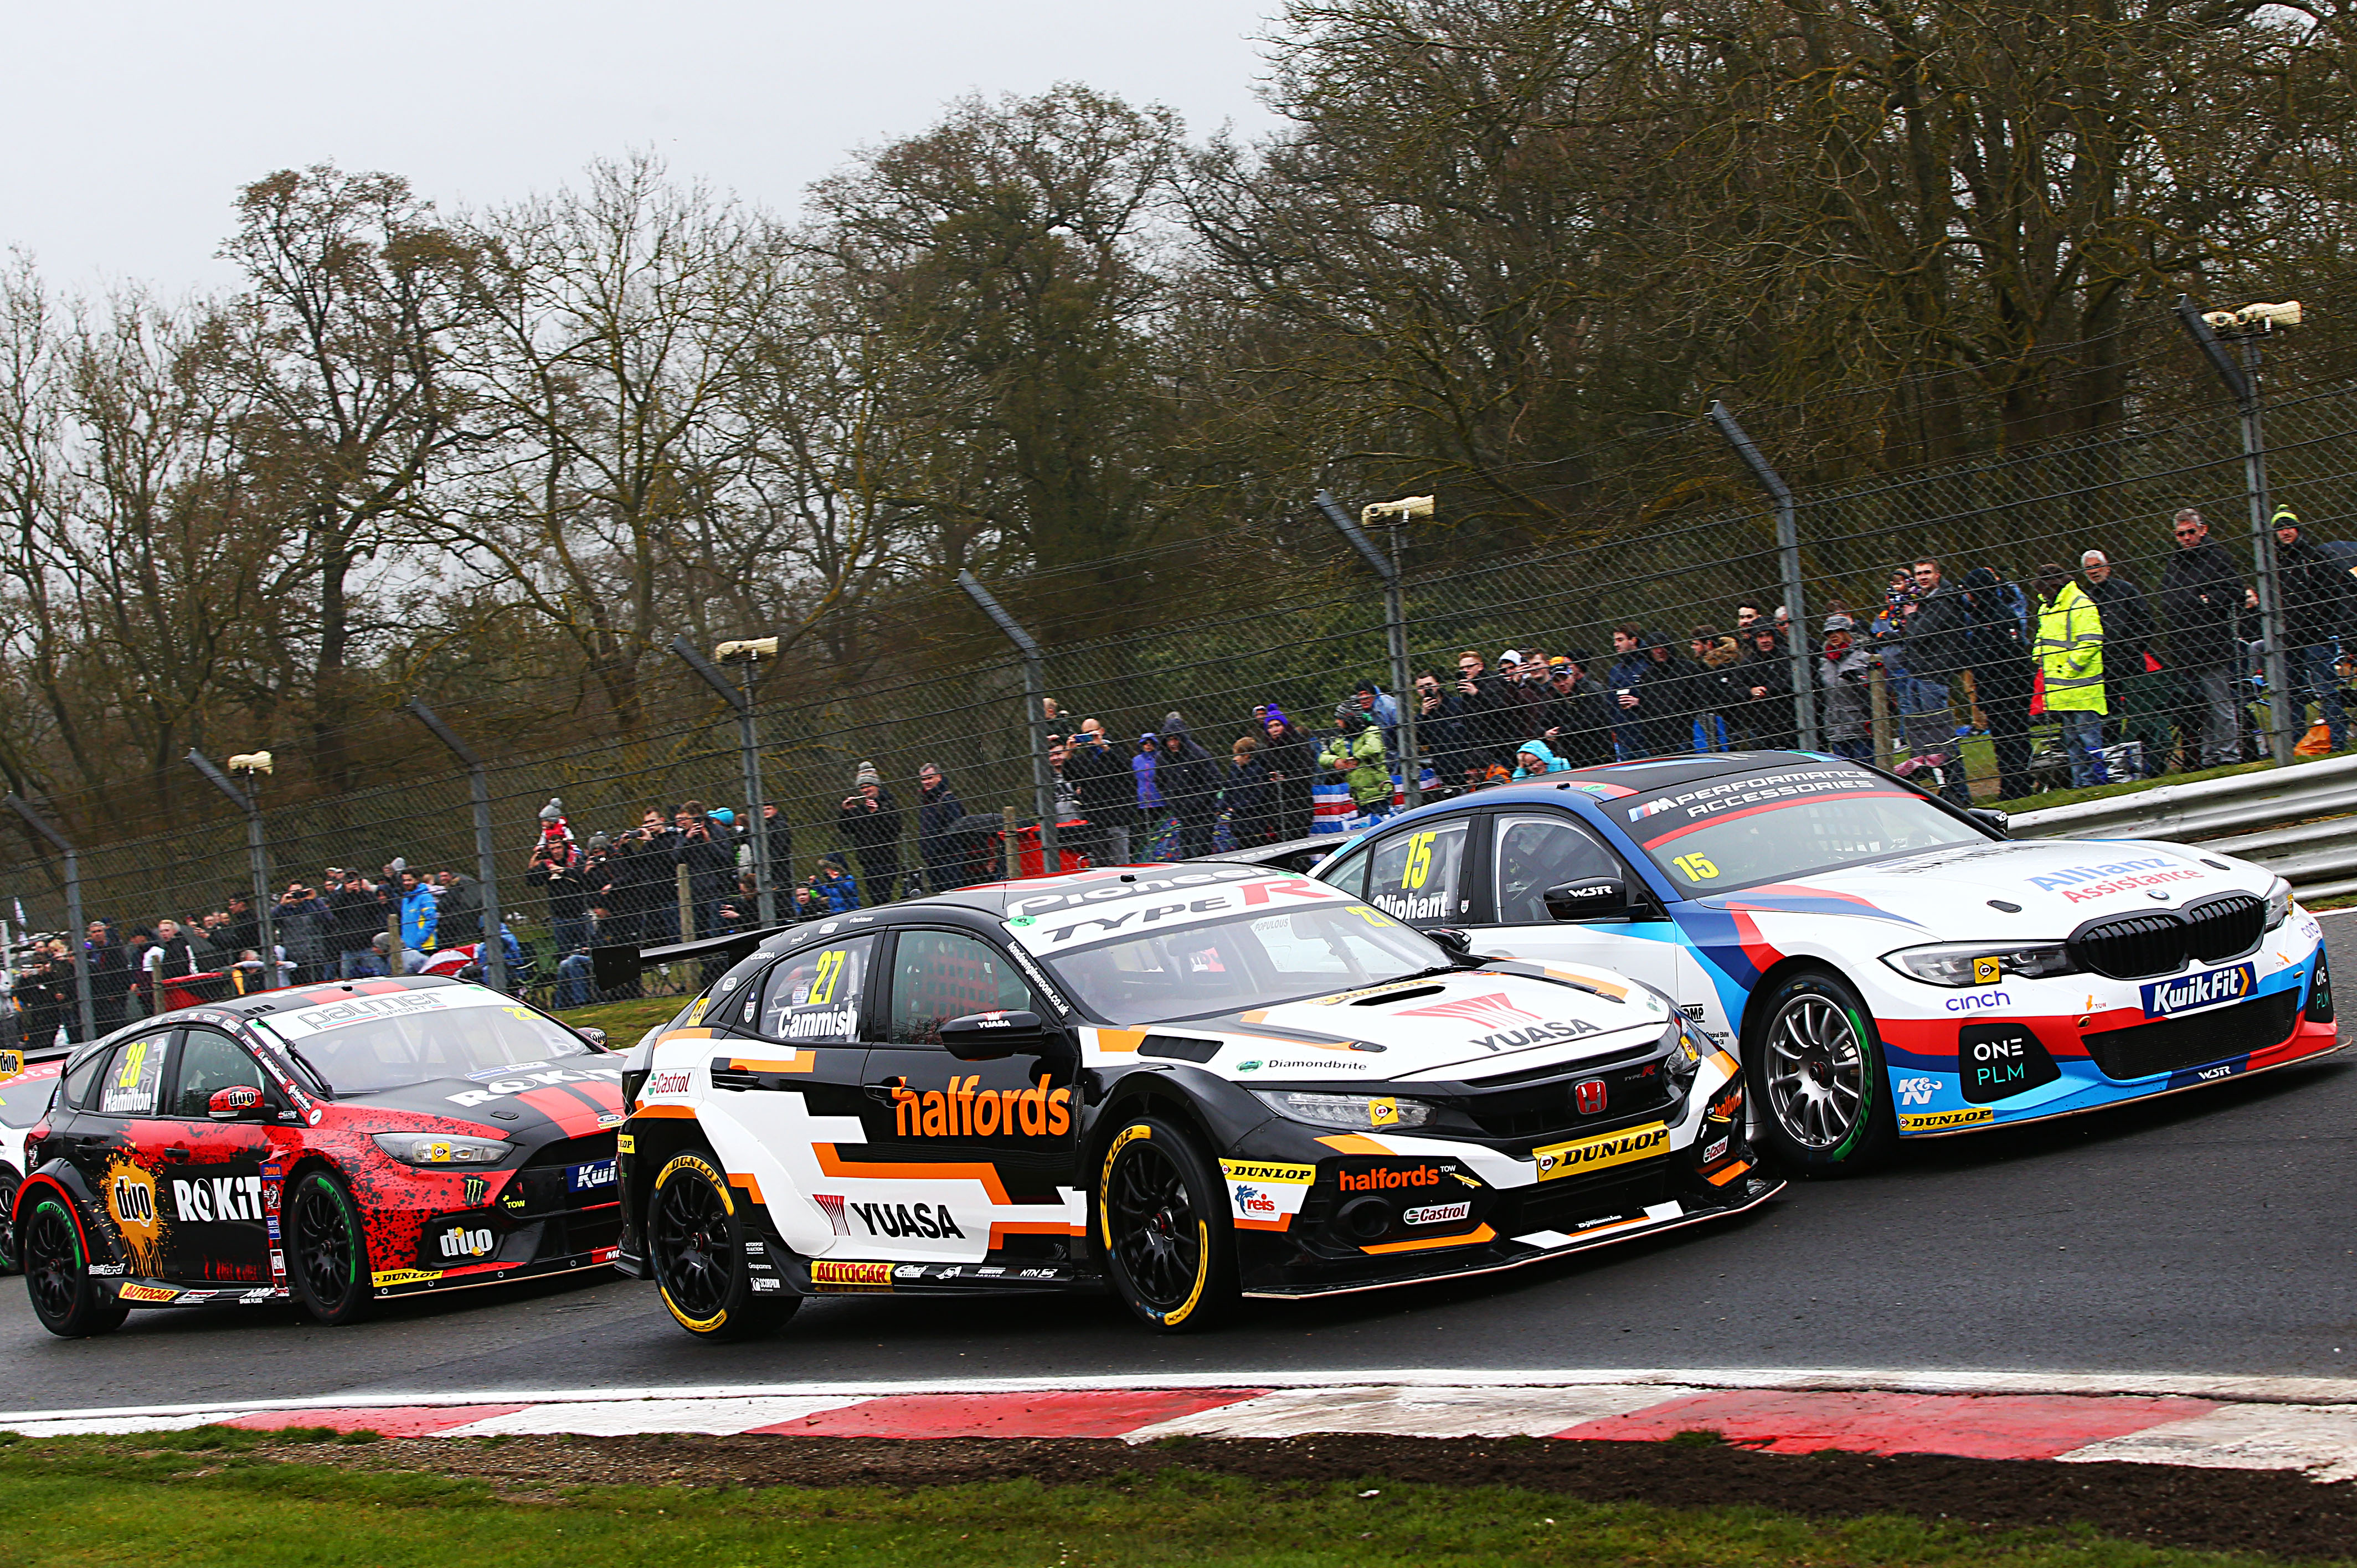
(1361, 1113)
(1686, 1057)
(2278, 903)
(432, 1151)
(1981, 963)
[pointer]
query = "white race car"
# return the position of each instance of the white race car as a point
(1884, 964)
(23, 1094)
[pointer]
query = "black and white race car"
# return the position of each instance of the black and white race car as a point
(1186, 1083)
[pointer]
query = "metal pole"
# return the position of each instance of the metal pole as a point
(73, 911)
(1035, 692)
(1394, 629)
(249, 800)
(749, 750)
(1788, 558)
(492, 954)
(2242, 382)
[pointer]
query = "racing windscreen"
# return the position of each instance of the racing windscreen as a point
(367, 1044)
(1779, 823)
(1225, 965)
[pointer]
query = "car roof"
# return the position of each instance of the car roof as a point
(1612, 781)
(255, 1005)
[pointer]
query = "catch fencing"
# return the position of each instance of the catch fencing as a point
(1665, 528)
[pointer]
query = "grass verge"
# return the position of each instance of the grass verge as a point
(192, 1500)
(624, 1022)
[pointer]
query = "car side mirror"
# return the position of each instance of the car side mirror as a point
(1454, 940)
(590, 1033)
(238, 1102)
(1598, 898)
(986, 1036)
(2001, 821)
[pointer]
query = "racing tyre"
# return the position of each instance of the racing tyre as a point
(1162, 1221)
(696, 1239)
(327, 1251)
(1818, 1082)
(67, 1300)
(9, 1186)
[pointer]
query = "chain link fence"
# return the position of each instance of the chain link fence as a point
(1662, 531)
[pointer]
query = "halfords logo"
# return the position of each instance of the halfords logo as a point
(1436, 1214)
(2166, 998)
(1382, 1180)
(963, 1110)
(1492, 1011)
(1603, 1151)
(824, 1271)
(1934, 1121)
(210, 1199)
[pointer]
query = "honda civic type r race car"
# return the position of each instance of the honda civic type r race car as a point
(1184, 1083)
(1884, 964)
(335, 1145)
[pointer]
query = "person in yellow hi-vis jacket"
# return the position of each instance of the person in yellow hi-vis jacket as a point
(2070, 654)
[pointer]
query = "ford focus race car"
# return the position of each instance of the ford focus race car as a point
(335, 1145)
(1184, 1083)
(1884, 964)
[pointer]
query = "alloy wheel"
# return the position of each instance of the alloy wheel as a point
(1155, 1232)
(1817, 1073)
(691, 1247)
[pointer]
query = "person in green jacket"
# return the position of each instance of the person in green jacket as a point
(2070, 653)
(1356, 753)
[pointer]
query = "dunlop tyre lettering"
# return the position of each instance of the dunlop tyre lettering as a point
(1169, 1241)
(696, 1237)
(69, 1301)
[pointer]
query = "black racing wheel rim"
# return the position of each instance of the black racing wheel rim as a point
(1156, 1233)
(325, 1248)
(53, 1271)
(692, 1249)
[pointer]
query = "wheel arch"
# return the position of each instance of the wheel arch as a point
(1746, 1028)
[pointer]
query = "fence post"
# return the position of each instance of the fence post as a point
(34, 820)
(249, 799)
(2283, 711)
(1006, 841)
(1035, 694)
(487, 868)
(749, 654)
(1394, 618)
(1788, 558)
(686, 904)
(1877, 696)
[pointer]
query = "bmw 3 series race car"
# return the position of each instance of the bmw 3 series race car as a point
(334, 1145)
(1184, 1083)
(1884, 964)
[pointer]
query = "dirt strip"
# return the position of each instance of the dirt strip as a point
(2280, 1513)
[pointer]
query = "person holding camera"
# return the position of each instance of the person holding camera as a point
(870, 823)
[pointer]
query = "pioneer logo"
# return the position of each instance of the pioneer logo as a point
(2183, 993)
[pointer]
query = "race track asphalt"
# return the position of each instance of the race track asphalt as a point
(2207, 1232)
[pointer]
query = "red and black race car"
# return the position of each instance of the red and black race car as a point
(335, 1145)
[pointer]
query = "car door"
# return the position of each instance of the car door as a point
(109, 1139)
(1423, 874)
(1534, 849)
(210, 1180)
(1002, 1131)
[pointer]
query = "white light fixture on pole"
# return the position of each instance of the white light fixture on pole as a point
(748, 654)
(250, 767)
(1407, 509)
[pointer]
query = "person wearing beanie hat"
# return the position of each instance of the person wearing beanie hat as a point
(870, 823)
(1291, 758)
(1841, 672)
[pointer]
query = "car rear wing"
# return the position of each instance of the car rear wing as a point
(617, 967)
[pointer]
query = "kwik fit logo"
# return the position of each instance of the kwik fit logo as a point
(2183, 993)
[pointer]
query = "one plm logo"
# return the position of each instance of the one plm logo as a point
(1491, 1011)
(1916, 1091)
(2186, 992)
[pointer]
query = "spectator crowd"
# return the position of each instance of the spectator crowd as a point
(2134, 681)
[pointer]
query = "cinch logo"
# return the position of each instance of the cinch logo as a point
(908, 1219)
(1978, 1001)
(210, 1200)
(1605, 1150)
(826, 1272)
(963, 1110)
(2166, 998)
(1492, 1011)
(1436, 1214)
(1380, 1180)
(461, 1242)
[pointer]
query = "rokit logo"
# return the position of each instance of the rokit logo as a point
(1436, 1214)
(897, 1220)
(459, 1242)
(208, 1200)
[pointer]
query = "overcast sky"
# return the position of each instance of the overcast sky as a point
(130, 123)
